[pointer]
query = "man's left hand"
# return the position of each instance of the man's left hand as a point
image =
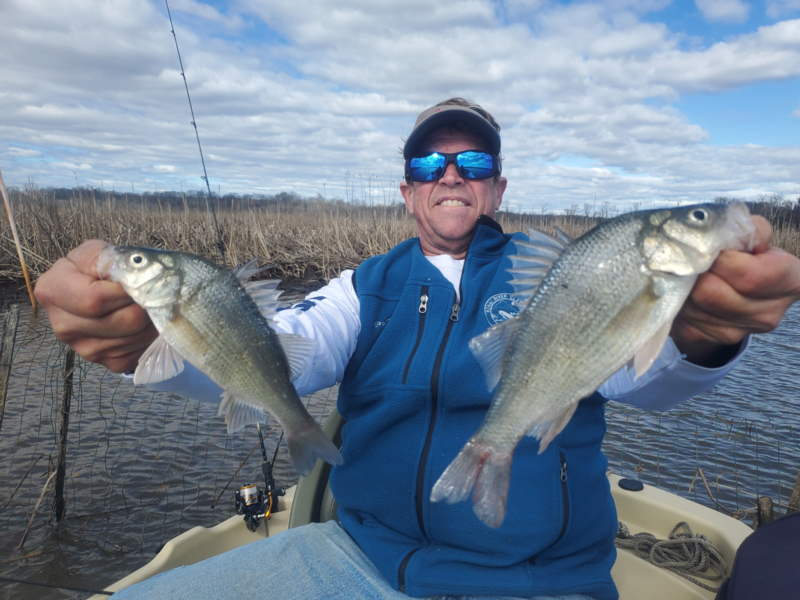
(741, 294)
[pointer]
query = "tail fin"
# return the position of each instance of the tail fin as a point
(309, 443)
(483, 468)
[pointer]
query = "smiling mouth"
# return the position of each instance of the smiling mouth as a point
(452, 203)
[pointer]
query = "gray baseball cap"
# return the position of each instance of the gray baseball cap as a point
(439, 116)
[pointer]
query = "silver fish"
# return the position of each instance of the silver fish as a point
(594, 305)
(209, 316)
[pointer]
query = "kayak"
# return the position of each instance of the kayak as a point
(648, 509)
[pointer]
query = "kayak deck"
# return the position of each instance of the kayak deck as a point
(651, 510)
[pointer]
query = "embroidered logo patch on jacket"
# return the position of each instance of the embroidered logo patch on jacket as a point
(501, 307)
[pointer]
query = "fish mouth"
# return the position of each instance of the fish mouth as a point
(106, 261)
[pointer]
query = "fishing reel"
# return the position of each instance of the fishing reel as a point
(256, 503)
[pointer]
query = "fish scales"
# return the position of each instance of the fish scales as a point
(254, 360)
(546, 355)
(608, 300)
(204, 315)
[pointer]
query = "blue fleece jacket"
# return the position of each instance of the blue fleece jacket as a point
(412, 395)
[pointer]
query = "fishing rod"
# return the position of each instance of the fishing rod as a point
(57, 587)
(209, 200)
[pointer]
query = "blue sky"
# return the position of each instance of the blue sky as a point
(630, 102)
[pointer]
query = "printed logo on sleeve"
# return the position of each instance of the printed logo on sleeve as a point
(303, 306)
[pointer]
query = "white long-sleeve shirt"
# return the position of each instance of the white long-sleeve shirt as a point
(331, 316)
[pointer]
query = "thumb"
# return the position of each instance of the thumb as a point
(84, 257)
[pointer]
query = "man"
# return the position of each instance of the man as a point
(395, 334)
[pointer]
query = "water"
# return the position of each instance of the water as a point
(143, 467)
(744, 435)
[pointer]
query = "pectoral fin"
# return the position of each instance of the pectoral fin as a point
(489, 348)
(159, 362)
(648, 353)
(299, 352)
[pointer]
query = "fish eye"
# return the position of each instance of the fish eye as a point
(138, 260)
(698, 214)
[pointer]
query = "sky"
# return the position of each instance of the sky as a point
(634, 103)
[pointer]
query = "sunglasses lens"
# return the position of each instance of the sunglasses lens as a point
(427, 168)
(471, 164)
(475, 165)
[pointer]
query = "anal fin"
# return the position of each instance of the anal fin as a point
(238, 414)
(546, 430)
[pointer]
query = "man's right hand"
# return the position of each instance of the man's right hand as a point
(96, 317)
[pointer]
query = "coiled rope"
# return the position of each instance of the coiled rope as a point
(690, 556)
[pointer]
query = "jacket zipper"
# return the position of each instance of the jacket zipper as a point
(564, 496)
(423, 310)
(401, 575)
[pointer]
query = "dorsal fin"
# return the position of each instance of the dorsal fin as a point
(533, 261)
(249, 269)
(545, 239)
(266, 296)
(564, 237)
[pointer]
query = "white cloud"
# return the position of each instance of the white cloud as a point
(24, 152)
(71, 166)
(726, 11)
(326, 94)
(780, 8)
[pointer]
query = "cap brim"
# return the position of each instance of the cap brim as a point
(445, 115)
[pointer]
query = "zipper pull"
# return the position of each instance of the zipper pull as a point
(454, 312)
(423, 303)
(563, 471)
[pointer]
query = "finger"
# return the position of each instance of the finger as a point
(763, 234)
(126, 321)
(120, 355)
(730, 319)
(769, 274)
(84, 257)
(66, 287)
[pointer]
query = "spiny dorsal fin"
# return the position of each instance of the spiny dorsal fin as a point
(564, 237)
(541, 238)
(249, 269)
(266, 296)
(159, 362)
(522, 261)
(535, 249)
(533, 261)
(299, 352)
(489, 348)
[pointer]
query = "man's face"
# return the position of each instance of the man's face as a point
(446, 210)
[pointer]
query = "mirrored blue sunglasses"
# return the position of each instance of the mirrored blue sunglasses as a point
(471, 164)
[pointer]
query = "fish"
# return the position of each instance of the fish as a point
(590, 307)
(218, 321)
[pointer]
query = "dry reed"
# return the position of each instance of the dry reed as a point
(307, 241)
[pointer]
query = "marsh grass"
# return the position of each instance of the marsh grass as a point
(306, 240)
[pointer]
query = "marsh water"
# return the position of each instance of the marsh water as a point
(142, 467)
